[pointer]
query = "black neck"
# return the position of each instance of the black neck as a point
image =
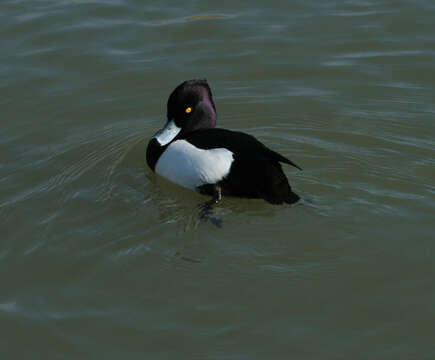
(154, 150)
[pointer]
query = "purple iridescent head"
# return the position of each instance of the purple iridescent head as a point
(191, 106)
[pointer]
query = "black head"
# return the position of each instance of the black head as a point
(191, 106)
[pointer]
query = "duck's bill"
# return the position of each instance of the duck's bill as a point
(167, 134)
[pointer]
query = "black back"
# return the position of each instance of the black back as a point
(256, 171)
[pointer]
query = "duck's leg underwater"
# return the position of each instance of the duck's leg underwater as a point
(206, 209)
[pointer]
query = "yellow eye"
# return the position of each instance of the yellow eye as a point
(188, 110)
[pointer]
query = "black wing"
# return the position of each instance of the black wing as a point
(242, 145)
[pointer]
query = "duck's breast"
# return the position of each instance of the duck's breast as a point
(189, 166)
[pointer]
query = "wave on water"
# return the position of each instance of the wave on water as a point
(109, 145)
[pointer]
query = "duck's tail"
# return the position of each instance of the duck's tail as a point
(292, 198)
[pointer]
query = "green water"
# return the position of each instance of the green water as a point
(101, 259)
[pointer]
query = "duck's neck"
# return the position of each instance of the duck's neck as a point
(154, 150)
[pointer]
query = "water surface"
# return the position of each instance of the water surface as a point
(99, 258)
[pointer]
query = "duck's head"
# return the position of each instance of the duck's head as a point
(190, 107)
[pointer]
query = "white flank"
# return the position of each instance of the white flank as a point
(188, 166)
(168, 133)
